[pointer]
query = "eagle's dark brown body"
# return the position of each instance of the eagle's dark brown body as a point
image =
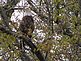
(27, 26)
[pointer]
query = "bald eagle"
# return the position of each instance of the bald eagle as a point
(27, 26)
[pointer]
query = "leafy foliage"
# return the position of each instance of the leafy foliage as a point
(59, 35)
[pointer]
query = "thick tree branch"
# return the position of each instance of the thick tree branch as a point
(28, 41)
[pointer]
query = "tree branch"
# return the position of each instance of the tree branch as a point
(5, 14)
(28, 41)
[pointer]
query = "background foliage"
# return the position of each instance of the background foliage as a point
(57, 33)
